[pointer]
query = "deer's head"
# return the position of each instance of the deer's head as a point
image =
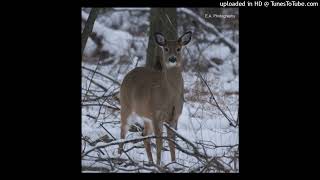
(172, 48)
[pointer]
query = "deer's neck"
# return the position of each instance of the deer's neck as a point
(172, 78)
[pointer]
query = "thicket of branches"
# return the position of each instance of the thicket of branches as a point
(207, 163)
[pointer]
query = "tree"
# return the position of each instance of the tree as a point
(88, 27)
(162, 20)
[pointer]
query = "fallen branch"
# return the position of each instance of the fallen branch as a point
(195, 153)
(135, 140)
(117, 142)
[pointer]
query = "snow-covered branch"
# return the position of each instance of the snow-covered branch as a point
(204, 158)
(232, 45)
(117, 142)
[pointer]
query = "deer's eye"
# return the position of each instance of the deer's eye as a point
(178, 49)
(166, 49)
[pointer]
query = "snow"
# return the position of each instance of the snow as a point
(198, 121)
(216, 51)
(211, 26)
(114, 41)
(90, 47)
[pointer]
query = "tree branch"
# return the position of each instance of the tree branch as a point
(111, 107)
(118, 142)
(103, 75)
(88, 27)
(233, 47)
(97, 84)
(181, 137)
(218, 106)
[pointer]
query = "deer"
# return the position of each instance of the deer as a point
(155, 95)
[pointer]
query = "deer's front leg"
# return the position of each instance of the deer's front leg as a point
(158, 133)
(172, 137)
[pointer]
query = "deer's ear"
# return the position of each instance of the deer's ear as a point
(159, 38)
(185, 38)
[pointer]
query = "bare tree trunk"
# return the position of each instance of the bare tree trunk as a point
(88, 27)
(162, 20)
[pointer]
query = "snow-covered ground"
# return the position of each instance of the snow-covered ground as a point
(201, 122)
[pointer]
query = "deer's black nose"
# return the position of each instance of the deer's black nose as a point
(172, 59)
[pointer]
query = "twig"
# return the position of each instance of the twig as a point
(133, 147)
(111, 107)
(174, 162)
(108, 77)
(196, 152)
(115, 139)
(118, 142)
(99, 112)
(97, 84)
(218, 106)
(90, 80)
(91, 143)
(85, 144)
(107, 131)
(181, 137)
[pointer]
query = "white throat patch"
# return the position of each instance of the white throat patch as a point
(171, 64)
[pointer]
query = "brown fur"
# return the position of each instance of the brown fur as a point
(155, 95)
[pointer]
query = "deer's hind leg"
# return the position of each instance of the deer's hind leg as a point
(125, 112)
